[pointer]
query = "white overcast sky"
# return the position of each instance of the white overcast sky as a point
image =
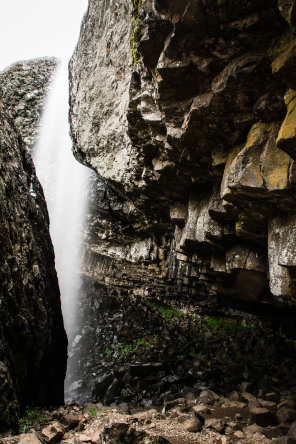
(38, 28)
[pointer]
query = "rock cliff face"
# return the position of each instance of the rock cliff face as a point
(32, 337)
(186, 111)
(23, 89)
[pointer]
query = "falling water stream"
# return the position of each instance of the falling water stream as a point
(65, 184)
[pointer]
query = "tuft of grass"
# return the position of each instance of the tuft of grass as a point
(166, 312)
(214, 323)
(123, 350)
(32, 416)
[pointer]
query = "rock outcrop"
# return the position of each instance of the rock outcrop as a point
(186, 111)
(24, 86)
(33, 344)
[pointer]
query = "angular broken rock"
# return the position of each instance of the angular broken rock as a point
(208, 397)
(284, 440)
(29, 438)
(53, 433)
(216, 424)
(239, 434)
(248, 397)
(123, 432)
(284, 414)
(292, 431)
(85, 438)
(192, 425)
(70, 420)
(272, 432)
(260, 416)
(253, 429)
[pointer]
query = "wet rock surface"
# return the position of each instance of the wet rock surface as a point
(32, 337)
(23, 88)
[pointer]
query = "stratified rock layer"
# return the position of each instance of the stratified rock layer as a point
(32, 337)
(186, 110)
(194, 141)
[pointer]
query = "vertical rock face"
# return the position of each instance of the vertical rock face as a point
(32, 337)
(23, 89)
(187, 112)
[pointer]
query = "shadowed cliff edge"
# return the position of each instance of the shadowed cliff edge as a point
(33, 344)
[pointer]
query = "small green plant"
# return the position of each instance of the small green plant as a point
(201, 356)
(165, 311)
(180, 357)
(25, 428)
(31, 417)
(92, 411)
(123, 350)
(214, 323)
(108, 352)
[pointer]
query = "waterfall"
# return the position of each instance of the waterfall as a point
(65, 184)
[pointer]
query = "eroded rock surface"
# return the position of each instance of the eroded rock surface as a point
(23, 87)
(32, 337)
(186, 111)
(195, 134)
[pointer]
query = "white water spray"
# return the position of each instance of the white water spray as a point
(65, 184)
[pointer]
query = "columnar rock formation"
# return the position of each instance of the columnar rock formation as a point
(187, 112)
(32, 337)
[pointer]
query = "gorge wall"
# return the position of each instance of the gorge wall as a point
(33, 344)
(186, 112)
(24, 86)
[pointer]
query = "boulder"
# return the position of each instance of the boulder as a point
(30, 438)
(285, 414)
(53, 433)
(215, 424)
(261, 416)
(192, 424)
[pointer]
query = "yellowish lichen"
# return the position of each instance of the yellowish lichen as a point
(287, 133)
(286, 56)
(137, 31)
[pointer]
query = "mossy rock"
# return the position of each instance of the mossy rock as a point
(284, 64)
(286, 139)
(137, 32)
(9, 415)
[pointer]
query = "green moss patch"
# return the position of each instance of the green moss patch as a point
(136, 32)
